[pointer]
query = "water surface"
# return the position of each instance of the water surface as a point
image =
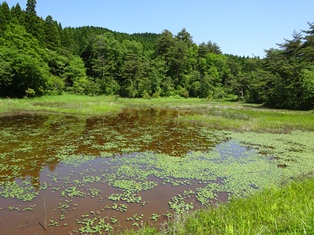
(59, 173)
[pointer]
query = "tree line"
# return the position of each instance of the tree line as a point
(38, 56)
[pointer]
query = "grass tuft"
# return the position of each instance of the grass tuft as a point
(286, 210)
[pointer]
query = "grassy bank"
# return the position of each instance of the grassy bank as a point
(221, 115)
(285, 210)
(95, 105)
(69, 104)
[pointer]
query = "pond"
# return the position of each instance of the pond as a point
(75, 174)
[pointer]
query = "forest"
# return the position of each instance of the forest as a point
(39, 57)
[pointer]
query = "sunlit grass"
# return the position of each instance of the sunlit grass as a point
(11, 105)
(217, 114)
(77, 104)
(283, 210)
(287, 210)
(72, 104)
(252, 119)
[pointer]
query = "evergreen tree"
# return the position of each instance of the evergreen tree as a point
(293, 65)
(185, 36)
(52, 37)
(308, 45)
(105, 59)
(209, 47)
(5, 16)
(213, 47)
(17, 12)
(67, 42)
(31, 7)
(164, 45)
(133, 70)
(34, 24)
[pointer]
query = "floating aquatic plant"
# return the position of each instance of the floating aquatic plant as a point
(22, 191)
(154, 217)
(91, 226)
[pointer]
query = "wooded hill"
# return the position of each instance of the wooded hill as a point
(38, 57)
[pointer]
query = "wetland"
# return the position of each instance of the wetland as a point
(64, 173)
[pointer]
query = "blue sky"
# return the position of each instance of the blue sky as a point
(242, 27)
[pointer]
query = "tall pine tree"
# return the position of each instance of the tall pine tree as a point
(34, 24)
(16, 12)
(52, 37)
(31, 7)
(5, 16)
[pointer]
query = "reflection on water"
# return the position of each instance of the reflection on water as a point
(233, 148)
(62, 170)
(30, 141)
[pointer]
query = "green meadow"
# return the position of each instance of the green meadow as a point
(214, 113)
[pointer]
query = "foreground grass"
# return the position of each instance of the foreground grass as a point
(286, 210)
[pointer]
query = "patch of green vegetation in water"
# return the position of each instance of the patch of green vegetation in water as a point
(94, 226)
(23, 190)
(292, 152)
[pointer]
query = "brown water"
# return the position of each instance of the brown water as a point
(38, 153)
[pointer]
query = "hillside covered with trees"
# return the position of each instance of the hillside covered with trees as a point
(38, 57)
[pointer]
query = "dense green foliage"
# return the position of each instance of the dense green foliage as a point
(95, 61)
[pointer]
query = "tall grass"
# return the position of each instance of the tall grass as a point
(11, 105)
(79, 104)
(288, 210)
(252, 119)
(285, 210)
(72, 104)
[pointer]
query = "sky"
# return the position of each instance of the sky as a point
(239, 27)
